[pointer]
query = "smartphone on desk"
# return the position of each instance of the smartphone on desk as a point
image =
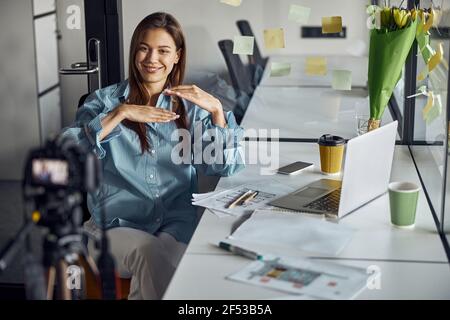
(294, 168)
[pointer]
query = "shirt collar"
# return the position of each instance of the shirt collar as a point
(123, 89)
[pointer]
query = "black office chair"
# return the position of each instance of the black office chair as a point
(86, 214)
(256, 61)
(240, 78)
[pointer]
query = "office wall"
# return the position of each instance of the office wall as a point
(19, 124)
(207, 21)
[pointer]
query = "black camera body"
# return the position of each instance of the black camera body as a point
(56, 179)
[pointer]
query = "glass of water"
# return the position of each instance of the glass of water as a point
(362, 115)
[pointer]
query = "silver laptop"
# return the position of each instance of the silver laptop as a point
(367, 169)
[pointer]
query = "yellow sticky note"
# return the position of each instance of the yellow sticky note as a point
(436, 58)
(274, 38)
(316, 66)
(243, 45)
(432, 63)
(280, 69)
(342, 80)
(435, 111)
(234, 3)
(331, 24)
(428, 106)
(299, 14)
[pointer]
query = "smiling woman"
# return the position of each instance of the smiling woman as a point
(129, 126)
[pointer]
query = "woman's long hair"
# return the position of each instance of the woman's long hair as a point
(138, 93)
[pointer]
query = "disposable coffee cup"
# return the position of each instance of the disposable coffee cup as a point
(403, 198)
(331, 153)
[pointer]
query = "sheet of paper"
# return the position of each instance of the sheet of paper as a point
(200, 196)
(243, 45)
(302, 276)
(331, 24)
(280, 69)
(292, 231)
(342, 80)
(217, 213)
(299, 14)
(316, 66)
(234, 3)
(274, 38)
(268, 190)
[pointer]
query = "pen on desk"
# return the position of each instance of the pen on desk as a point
(240, 251)
(250, 197)
(234, 203)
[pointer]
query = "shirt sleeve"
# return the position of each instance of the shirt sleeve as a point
(217, 150)
(87, 128)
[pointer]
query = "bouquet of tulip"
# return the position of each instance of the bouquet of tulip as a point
(393, 30)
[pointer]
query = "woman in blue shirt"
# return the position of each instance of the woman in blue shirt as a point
(135, 128)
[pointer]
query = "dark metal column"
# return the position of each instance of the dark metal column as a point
(103, 22)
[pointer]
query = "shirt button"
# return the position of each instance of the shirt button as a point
(153, 151)
(151, 176)
(157, 195)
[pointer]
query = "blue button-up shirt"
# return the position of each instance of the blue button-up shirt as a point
(150, 191)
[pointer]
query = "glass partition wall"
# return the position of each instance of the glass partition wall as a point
(429, 145)
(424, 119)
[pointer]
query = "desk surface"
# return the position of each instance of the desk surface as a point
(413, 262)
(374, 238)
(305, 113)
(203, 277)
(298, 77)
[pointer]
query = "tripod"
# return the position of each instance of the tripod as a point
(66, 264)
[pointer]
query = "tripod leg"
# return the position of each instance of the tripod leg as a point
(35, 285)
(51, 282)
(63, 289)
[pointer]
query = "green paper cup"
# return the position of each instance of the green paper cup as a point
(403, 198)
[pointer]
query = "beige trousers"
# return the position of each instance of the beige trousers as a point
(150, 260)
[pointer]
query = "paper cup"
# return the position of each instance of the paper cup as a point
(403, 198)
(331, 153)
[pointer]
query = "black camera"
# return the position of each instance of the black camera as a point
(56, 180)
(62, 165)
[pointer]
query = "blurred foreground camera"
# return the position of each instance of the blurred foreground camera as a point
(56, 178)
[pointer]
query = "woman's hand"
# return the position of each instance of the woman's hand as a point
(137, 113)
(134, 113)
(202, 99)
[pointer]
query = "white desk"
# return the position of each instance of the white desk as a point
(413, 263)
(299, 78)
(203, 277)
(375, 238)
(305, 112)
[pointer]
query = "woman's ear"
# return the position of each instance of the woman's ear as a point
(178, 56)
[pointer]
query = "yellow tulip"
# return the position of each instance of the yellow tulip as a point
(385, 17)
(401, 17)
(413, 14)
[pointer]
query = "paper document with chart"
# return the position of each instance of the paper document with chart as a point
(302, 276)
(266, 192)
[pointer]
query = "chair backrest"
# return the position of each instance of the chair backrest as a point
(84, 207)
(240, 77)
(82, 99)
(246, 30)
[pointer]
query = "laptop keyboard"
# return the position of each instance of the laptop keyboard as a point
(328, 202)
